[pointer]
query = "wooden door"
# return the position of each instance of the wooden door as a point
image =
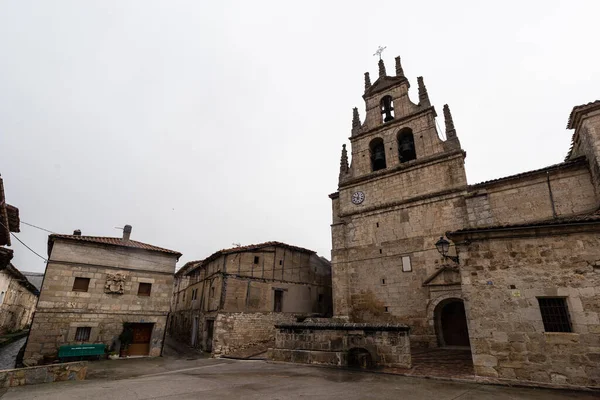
(142, 333)
(210, 325)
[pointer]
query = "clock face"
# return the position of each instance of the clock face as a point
(358, 197)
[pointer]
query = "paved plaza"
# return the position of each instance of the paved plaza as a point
(202, 378)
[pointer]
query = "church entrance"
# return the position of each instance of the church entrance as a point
(451, 324)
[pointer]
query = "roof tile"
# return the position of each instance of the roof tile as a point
(113, 241)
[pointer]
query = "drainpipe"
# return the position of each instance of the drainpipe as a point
(550, 193)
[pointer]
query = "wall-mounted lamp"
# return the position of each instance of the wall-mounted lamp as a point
(443, 246)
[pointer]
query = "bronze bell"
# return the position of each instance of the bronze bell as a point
(406, 146)
(387, 108)
(379, 158)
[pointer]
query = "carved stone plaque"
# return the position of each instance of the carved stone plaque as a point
(115, 283)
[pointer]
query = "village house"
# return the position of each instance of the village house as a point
(17, 295)
(102, 290)
(518, 283)
(231, 301)
(17, 300)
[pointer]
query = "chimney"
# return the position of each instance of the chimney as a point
(77, 232)
(126, 232)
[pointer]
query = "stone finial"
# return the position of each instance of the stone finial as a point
(450, 131)
(423, 96)
(355, 118)
(367, 81)
(382, 72)
(344, 166)
(399, 70)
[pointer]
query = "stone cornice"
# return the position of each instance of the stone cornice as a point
(418, 199)
(406, 167)
(523, 231)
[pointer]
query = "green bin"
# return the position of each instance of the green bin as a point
(81, 350)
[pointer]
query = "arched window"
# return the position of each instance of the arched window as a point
(387, 108)
(377, 154)
(406, 145)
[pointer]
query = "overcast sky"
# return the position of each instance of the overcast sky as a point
(207, 123)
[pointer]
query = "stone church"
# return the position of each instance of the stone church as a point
(508, 268)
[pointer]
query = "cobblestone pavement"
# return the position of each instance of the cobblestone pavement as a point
(208, 379)
(8, 353)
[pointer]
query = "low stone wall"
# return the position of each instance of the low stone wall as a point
(73, 371)
(239, 331)
(343, 344)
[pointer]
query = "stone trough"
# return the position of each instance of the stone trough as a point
(343, 344)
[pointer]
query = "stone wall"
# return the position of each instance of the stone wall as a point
(238, 331)
(343, 344)
(503, 275)
(531, 198)
(17, 303)
(111, 299)
(50, 330)
(73, 371)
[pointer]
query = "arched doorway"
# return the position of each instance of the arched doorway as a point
(451, 321)
(360, 358)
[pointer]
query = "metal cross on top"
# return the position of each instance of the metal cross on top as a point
(379, 51)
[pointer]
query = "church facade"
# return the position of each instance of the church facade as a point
(518, 283)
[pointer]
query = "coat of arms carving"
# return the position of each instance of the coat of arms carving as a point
(115, 283)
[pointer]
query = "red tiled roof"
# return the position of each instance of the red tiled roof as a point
(581, 218)
(187, 267)
(112, 241)
(252, 247)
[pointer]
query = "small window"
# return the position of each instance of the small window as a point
(278, 301)
(320, 299)
(406, 265)
(555, 314)
(83, 334)
(383, 281)
(81, 284)
(386, 308)
(212, 291)
(280, 262)
(256, 259)
(144, 289)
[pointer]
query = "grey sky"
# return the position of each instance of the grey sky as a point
(204, 123)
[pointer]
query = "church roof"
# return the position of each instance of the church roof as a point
(562, 165)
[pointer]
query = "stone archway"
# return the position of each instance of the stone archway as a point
(451, 323)
(360, 358)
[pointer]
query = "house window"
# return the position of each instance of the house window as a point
(144, 289)
(212, 291)
(280, 262)
(81, 284)
(278, 301)
(193, 294)
(386, 309)
(555, 314)
(406, 265)
(256, 259)
(83, 334)
(383, 281)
